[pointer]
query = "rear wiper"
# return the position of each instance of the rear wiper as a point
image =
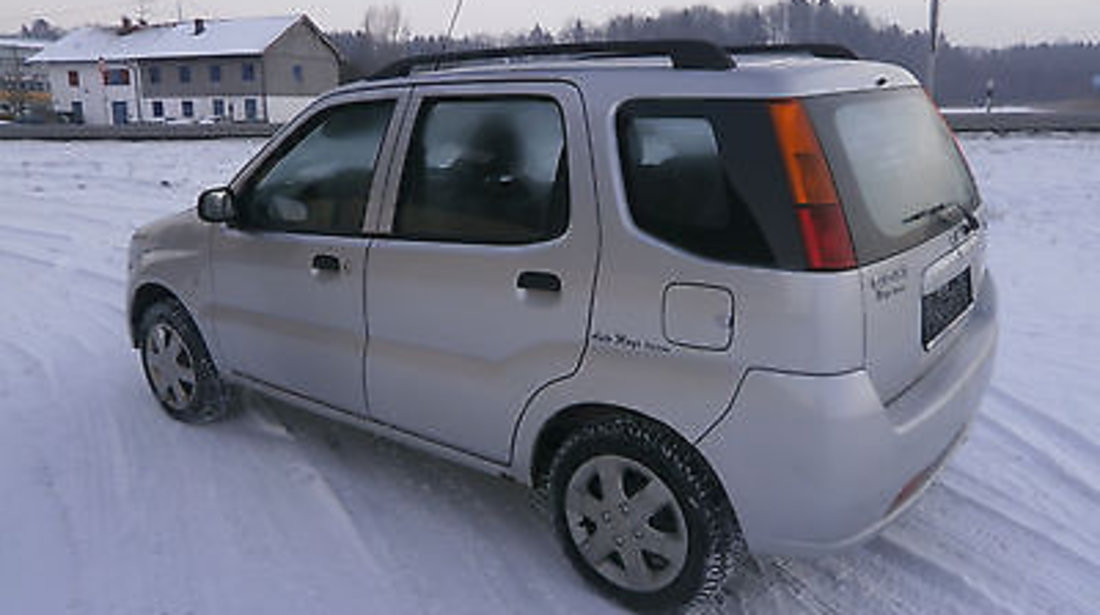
(972, 223)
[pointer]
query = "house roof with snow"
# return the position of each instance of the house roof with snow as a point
(187, 39)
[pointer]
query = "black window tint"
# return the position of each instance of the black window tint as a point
(321, 182)
(485, 171)
(697, 176)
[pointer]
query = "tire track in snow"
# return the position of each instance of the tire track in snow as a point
(1009, 524)
(1053, 463)
(22, 257)
(932, 570)
(1032, 512)
(1072, 440)
(960, 533)
(306, 474)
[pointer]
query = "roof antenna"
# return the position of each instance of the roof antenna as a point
(450, 31)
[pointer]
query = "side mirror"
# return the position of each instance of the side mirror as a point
(216, 205)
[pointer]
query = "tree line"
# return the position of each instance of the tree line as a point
(1020, 74)
(1047, 72)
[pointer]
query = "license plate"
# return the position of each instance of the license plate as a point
(944, 305)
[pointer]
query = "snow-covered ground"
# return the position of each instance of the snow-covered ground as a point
(108, 507)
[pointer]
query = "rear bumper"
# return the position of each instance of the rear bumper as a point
(813, 464)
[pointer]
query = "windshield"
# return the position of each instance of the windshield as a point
(900, 176)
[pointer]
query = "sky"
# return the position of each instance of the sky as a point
(990, 23)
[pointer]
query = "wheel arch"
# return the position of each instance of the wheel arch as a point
(145, 296)
(554, 432)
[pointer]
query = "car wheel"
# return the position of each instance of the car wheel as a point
(640, 514)
(178, 366)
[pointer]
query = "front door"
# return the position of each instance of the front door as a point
(479, 285)
(288, 275)
(118, 112)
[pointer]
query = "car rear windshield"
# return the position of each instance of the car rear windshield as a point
(897, 169)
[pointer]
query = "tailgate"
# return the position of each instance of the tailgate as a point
(916, 303)
(912, 209)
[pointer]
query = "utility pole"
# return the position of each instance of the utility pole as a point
(933, 46)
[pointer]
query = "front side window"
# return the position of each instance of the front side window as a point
(218, 107)
(158, 108)
(485, 171)
(248, 72)
(154, 74)
(215, 73)
(320, 182)
(185, 74)
(187, 108)
(74, 78)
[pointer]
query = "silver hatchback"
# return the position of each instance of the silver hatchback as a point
(705, 301)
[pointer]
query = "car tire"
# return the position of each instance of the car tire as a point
(640, 514)
(178, 366)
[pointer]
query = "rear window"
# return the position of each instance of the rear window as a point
(705, 176)
(892, 158)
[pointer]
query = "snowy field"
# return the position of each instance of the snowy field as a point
(108, 507)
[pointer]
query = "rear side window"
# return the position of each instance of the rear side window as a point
(891, 157)
(706, 177)
(485, 171)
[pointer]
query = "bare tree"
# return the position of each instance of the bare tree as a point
(384, 25)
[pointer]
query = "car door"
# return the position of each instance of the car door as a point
(480, 279)
(288, 274)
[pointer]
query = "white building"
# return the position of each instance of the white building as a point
(257, 69)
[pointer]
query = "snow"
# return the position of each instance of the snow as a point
(1008, 109)
(109, 507)
(221, 37)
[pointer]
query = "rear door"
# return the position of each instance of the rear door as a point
(912, 209)
(288, 275)
(480, 280)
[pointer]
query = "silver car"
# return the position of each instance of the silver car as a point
(705, 301)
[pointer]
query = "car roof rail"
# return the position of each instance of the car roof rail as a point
(683, 53)
(818, 50)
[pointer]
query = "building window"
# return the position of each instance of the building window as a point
(78, 112)
(185, 74)
(187, 108)
(219, 107)
(116, 76)
(297, 70)
(215, 73)
(154, 74)
(248, 71)
(74, 79)
(158, 108)
(251, 112)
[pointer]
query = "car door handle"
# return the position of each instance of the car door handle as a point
(325, 262)
(539, 280)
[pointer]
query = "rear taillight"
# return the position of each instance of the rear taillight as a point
(821, 220)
